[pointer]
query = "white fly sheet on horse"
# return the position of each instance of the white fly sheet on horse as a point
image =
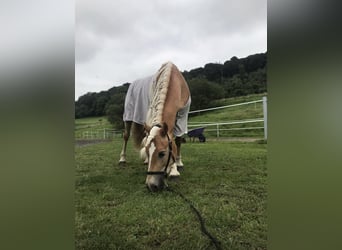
(139, 100)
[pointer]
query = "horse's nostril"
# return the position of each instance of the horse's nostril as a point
(153, 187)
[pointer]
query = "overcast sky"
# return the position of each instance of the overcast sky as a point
(123, 40)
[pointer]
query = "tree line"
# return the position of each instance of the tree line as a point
(235, 77)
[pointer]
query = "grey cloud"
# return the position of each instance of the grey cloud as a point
(125, 39)
(87, 44)
(118, 19)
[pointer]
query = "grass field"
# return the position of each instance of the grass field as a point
(92, 122)
(225, 181)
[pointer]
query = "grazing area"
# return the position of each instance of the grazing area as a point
(225, 181)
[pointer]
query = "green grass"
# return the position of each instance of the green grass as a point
(92, 123)
(225, 181)
(239, 99)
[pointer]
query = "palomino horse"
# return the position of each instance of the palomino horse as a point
(156, 110)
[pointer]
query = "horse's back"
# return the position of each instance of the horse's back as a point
(176, 104)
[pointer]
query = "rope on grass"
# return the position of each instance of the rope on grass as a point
(204, 230)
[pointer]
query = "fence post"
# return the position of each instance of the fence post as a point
(104, 134)
(264, 109)
(217, 130)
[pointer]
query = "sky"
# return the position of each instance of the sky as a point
(124, 40)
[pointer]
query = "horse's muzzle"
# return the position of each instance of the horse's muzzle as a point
(155, 183)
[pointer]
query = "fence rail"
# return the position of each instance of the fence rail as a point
(218, 125)
(223, 107)
(196, 124)
(99, 134)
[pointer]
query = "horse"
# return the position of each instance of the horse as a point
(156, 112)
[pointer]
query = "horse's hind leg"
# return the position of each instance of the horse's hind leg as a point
(179, 163)
(126, 135)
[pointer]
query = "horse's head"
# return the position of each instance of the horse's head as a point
(158, 150)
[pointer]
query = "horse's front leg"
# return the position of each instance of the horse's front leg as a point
(179, 163)
(143, 154)
(173, 169)
(124, 146)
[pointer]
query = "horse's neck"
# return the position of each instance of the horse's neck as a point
(159, 91)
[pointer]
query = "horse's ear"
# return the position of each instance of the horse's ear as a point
(164, 129)
(147, 128)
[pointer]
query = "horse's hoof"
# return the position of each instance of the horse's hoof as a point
(180, 168)
(122, 163)
(173, 178)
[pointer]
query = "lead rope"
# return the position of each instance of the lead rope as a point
(204, 230)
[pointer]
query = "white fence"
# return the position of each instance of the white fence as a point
(99, 134)
(107, 133)
(227, 106)
(217, 126)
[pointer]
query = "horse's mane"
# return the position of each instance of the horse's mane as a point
(158, 94)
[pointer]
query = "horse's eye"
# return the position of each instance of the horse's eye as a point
(161, 154)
